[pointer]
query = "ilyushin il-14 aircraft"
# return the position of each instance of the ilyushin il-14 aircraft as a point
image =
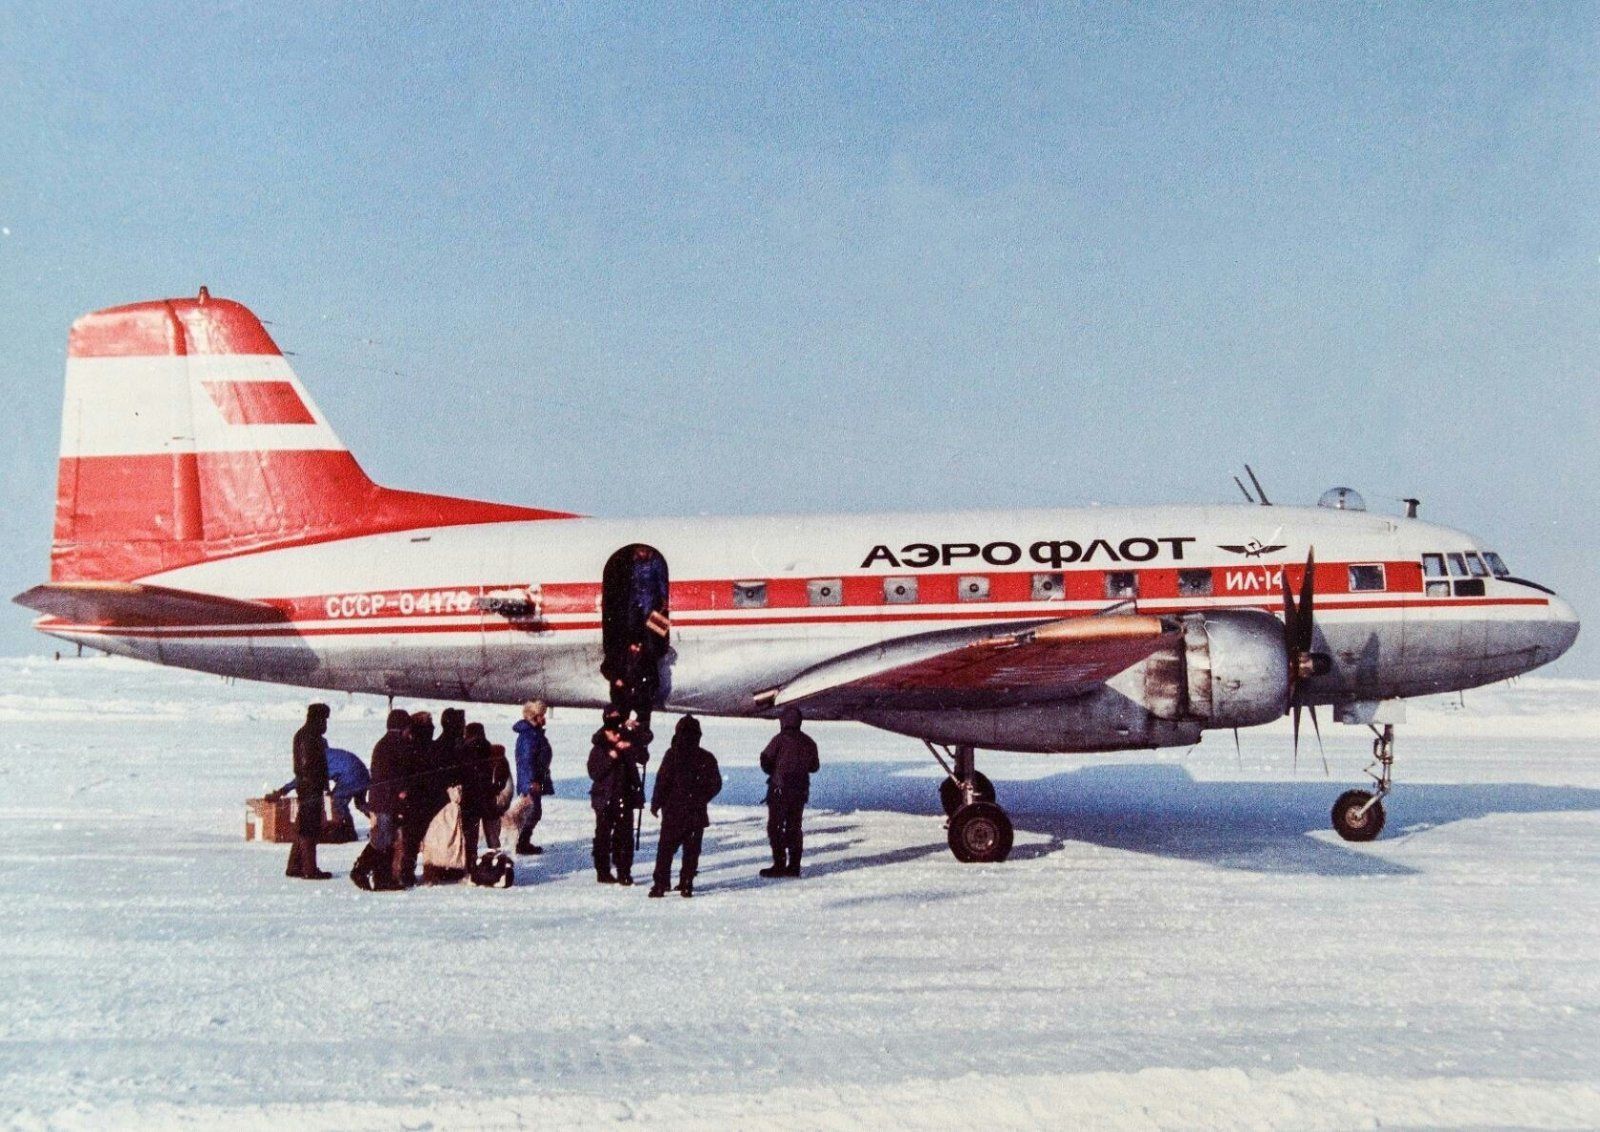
(207, 516)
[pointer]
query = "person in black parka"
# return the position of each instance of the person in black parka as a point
(788, 761)
(375, 867)
(415, 812)
(687, 781)
(310, 785)
(615, 759)
(478, 790)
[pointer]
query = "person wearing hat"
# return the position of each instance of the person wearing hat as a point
(375, 868)
(533, 771)
(614, 762)
(687, 781)
(788, 761)
(310, 785)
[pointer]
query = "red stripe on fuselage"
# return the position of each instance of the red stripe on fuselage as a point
(470, 625)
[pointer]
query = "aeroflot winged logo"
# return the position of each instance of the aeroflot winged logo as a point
(1047, 552)
(1255, 548)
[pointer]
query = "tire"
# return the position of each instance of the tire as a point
(980, 834)
(1351, 827)
(950, 793)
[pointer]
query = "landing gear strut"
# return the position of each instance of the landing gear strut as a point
(980, 831)
(1358, 814)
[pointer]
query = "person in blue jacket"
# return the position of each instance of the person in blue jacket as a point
(533, 771)
(348, 781)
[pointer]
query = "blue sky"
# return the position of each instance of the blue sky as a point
(683, 258)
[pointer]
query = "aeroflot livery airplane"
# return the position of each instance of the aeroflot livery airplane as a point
(208, 517)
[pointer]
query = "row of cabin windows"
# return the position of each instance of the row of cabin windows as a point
(1120, 585)
(1460, 572)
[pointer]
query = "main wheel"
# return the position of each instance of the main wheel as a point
(980, 833)
(950, 794)
(1351, 823)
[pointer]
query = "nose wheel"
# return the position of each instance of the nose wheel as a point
(979, 830)
(1358, 814)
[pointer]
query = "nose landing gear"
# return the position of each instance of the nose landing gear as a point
(979, 830)
(1358, 814)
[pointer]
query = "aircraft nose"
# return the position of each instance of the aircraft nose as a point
(1561, 629)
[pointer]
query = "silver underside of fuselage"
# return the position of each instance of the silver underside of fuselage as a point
(719, 671)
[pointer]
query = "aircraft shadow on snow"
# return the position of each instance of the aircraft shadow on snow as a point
(1159, 809)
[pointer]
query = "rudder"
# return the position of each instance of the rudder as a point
(186, 436)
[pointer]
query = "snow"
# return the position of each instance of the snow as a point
(1178, 940)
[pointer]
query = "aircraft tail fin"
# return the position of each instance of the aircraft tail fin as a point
(186, 436)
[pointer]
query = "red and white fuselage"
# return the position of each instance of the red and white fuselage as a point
(194, 462)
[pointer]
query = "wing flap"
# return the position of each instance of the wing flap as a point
(135, 604)
(1040, 663)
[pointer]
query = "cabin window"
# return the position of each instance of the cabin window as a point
(825, 591)
(1122, 584)
(1048, 587)
(899, 591)
(1433, 565)
(1475, 567)
(1194, 583)
(749, 595)
(1497, 565)
(973, 587)
(1438, 589)
(1367, 578)
(1458, 565)
(1469, 587)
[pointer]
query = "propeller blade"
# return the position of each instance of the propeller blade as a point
(1308, 591)
(1296, 714)
(1317, 727)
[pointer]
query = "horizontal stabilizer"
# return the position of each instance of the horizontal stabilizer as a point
(134, 603)
(1034, 663)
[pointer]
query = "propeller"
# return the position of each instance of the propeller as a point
(1299, 631)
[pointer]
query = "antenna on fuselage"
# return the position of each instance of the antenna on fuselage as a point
(1247, 496)
(1249, 471)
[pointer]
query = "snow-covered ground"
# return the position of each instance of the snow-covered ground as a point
(1178, 940)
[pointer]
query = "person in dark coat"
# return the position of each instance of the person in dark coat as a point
(374, 868)
(416, 812)
(635, 680)
(533, 771)
(616, 791)
(310, 785)
(687, 781)
(788, 761)
(478, 790)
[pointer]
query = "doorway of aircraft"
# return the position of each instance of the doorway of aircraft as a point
(634, 625)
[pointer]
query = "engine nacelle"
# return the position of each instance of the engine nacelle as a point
(1235, 667)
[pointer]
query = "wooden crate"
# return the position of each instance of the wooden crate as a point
(274, 821)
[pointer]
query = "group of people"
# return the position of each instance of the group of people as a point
(416, 775)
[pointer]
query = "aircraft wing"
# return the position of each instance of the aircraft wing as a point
(134, 603)
(999, 666)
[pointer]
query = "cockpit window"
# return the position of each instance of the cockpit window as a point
(1433, 565)
(1458, 565)
(1497, 564)
(1475, 564)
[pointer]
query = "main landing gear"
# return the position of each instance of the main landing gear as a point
(979, 829)
(1358, 814)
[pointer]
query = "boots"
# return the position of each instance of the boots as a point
(526, 847)
(793, 868)
(686, 888)
(657, 892)
(308, 860)
(295, 868)
(625, 879)
(603, 876)
(778, 869)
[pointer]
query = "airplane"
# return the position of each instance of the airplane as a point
(207, 516)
